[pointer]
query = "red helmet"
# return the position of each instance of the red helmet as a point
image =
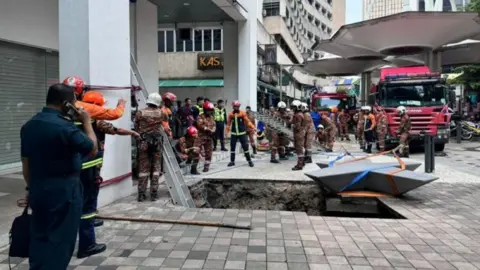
(170, 96)
(191, 130)
(236, 103)
(208, 106)
(76, 82)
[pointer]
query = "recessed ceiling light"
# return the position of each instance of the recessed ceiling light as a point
(186, 4)
(166, 15)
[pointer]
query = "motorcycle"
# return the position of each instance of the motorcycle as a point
(469, 130)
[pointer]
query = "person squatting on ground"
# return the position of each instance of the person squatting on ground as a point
(206, 129)
(220, 116)
(91, 179)
(360, 130)
(382, 126)
(369, 127)
(188, 151)
(309, 133)
(298, 125)
(51, 150)
(149, 122)
(241, 124)
(252, 131)
(320, 135)
(404, 131)
(274, 135)
(330, 131)
(343, 119)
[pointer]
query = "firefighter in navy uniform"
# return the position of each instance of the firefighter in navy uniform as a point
(91, 180)
(241, 124)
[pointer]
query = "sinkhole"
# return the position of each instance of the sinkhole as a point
(296, 196)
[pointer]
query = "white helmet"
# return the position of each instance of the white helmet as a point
(366, 108)
(288, 110)
(320, 126)
(154, 99)
(401, 110)
(304, 106)
(282, 105)
(297, 104)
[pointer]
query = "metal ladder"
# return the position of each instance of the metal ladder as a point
(179, 191)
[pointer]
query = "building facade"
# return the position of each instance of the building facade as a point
(379, 8)
(339, 14)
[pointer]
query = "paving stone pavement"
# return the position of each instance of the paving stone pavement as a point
(441, 231)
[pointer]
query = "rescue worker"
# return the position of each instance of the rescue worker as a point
(241, 124)
(220, 116)
(95, 111)
(360, 130)
(188, 151)
(309, 132)
(355, 122)
(330, 131)
(382, 128)
(206, 130)
(91, 179)
(283, 116)
(168, 100)
(198, 108)
(273, 134)
(51, 153)
(343, 119)
(149, 122)
(298, 125)
(404, 131)
(334, 117)
(252, 132)
(369, 127)
(320, 136)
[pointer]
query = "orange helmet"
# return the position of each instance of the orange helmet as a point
(94, 98)
(334, 109)
(236, 103)
(76, 82)
(170, 96)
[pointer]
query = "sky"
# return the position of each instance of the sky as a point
(353, 11)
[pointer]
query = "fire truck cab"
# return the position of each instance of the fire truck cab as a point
(425, 96)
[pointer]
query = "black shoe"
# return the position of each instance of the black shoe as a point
(94, 249)
(308, 160)
(231, 163)
(153, 197)
(98, 223)
(141, 197)
(297, 168)
(254, 150)
(194, 171)
(274, 161)
(224, 149)
(328, 150)
(250, 163)
(214, 149)
(205, 169)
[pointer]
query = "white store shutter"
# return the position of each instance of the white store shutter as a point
(25, 73)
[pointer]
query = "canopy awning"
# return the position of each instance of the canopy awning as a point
(268, 86)
(190, 83)
(338, 66)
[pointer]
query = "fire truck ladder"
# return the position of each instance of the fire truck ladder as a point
(179, 191)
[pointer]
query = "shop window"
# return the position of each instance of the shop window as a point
(217, 39)
(179, 44)
(161, 41)
(170, 41)
(189, 45)
(207, 40)
(198, 40)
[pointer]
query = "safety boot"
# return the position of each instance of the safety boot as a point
(154, 196)
(193, 169)
(206, 168)
(308, 159)
(368, 150)
(92, 250)
(249, 159)
(232, 160)
(299, 165)
(254, 150)
(283, 157)
(141, 197)
(98, 223)
(274, 160)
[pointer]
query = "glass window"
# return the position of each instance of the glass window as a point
(179, 43)
(161, 41)
(189, 45)
(413, 95)
(170, 41)
(207, 40)
(217, 39)
(198, 40)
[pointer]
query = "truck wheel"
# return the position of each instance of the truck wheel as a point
(439, 147)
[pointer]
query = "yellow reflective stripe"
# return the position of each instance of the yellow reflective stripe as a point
(92, 163)
(236, 128)
(88, 216)
(80, 123)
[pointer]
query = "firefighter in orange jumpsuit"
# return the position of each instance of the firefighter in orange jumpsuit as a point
(96, 112)
(168, 100)
(206, 130)
(298, 134)
(241, 124)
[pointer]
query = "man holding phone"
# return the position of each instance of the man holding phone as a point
(52, 148)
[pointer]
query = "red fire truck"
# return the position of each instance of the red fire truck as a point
(323, 100)
(425, 96)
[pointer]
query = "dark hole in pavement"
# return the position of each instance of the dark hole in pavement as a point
(297, 196)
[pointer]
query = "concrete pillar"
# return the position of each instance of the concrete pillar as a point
(365, 84)
(433, 60)
(95, 45)
(230, 62)
(247, 57)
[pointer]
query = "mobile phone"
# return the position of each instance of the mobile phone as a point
(70, 109)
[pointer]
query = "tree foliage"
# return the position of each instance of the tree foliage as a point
(471, 73)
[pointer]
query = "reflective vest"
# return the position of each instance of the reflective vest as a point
(219, 115)
(200, 109)
(239, 126)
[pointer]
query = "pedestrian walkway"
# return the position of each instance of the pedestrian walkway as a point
(442, 231)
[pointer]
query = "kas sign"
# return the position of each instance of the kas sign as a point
(210, 61)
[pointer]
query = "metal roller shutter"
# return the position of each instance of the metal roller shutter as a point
(24, 75)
